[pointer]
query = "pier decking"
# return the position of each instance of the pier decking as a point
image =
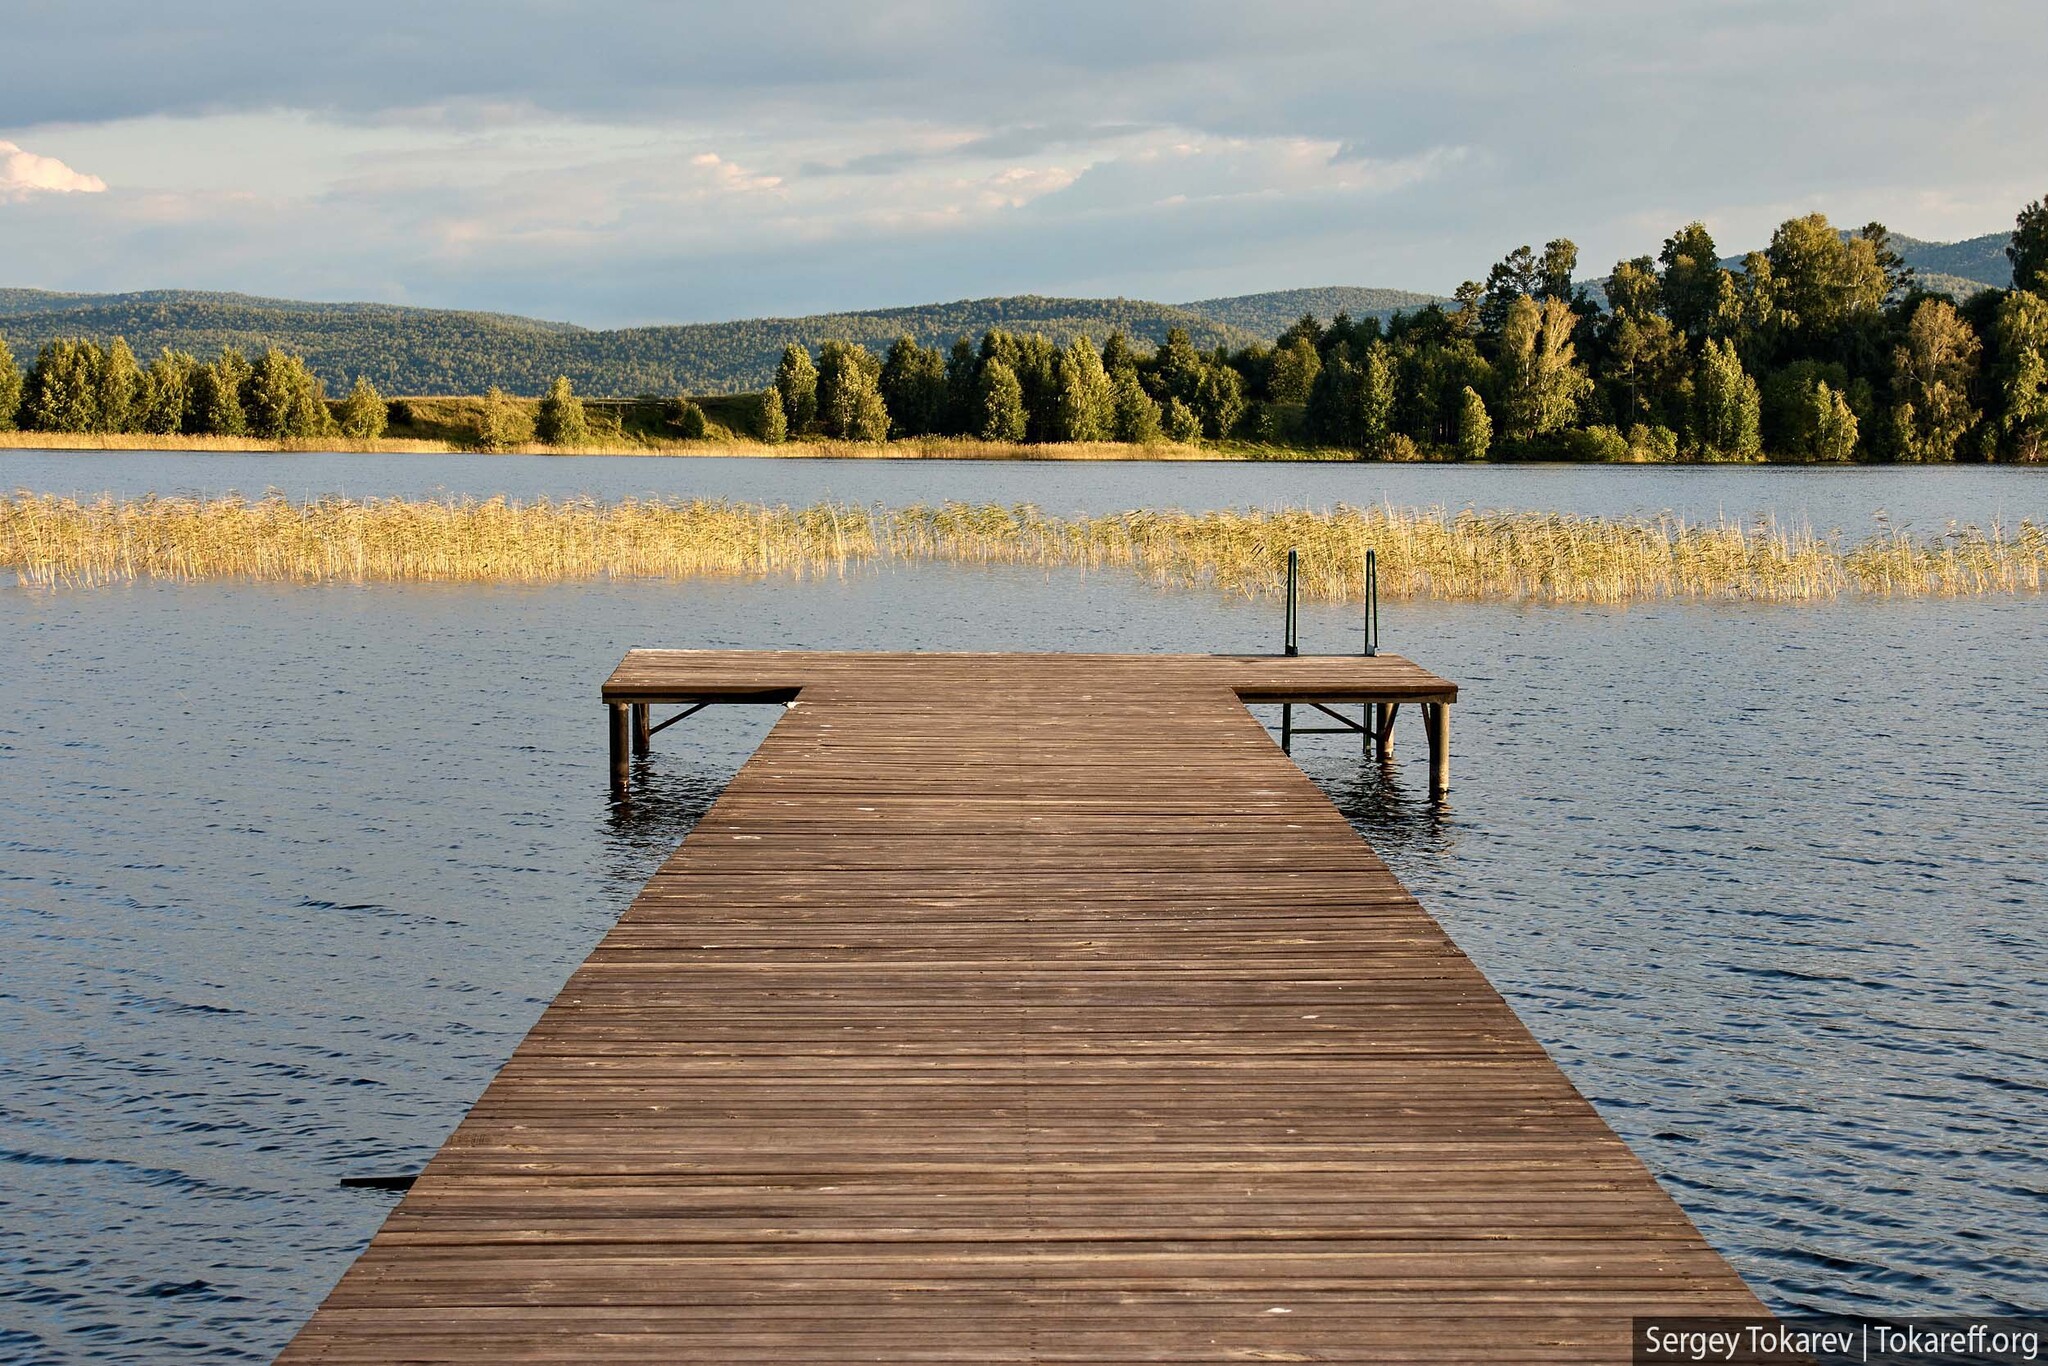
(1023, 1009)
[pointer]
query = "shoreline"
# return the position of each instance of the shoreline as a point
(909, 449)
(912, 449)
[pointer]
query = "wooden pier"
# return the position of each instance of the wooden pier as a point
(1023, 1009)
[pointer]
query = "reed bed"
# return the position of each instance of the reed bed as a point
(1422, 553)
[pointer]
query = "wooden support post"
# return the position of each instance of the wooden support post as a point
(643, 734)
(1387, 711)
(1437, 717)
(622, 761)
(1287, 728)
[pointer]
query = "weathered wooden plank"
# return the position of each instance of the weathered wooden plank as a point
(1032, 1009)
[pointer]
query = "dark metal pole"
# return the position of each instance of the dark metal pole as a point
(1372, 602)
(1372, 636)
(1290, 644)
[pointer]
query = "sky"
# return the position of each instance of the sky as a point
(621, 163)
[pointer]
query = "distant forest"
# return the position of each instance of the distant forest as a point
(1823, 346)
(438, 351)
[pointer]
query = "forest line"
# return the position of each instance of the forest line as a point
(1820, 347)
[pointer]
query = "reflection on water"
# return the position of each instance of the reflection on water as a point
(1389, 806)
(286, 873)
(669, 794)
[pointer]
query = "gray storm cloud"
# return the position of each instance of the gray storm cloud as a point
(653, 161)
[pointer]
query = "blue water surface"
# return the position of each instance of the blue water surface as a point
(285, 873)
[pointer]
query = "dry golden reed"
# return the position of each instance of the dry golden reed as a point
(1427, 553)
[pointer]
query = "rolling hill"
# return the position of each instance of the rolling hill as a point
(1979, 261)
(1268, 315)
(443, 351)
(1958, 269)
(406, 350)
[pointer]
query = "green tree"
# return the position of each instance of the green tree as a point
(1087, 408)
(796, 380)
(2028, 250)
(1475, 428)
(1692, 282)
(1822, 282)
(687, 417)
(1295, 367)
(10, 390)
(118, 380)
(1645, 356)
(1117, 355)
(1831, 424)
(1467, 319)
(1541, 382)
(1555, 268)
(771, 424)
(1374, 422)
(1633, 290)
(283, 399)
(850, 405)
(1727, 409)
(1180, 422)
(1932, 374)
(364, 412)
(561, 420)
(914, 388)
(1432, 370)
(2020, 379)
(1136, 415)
(1898, 276)
(169, 394)
(1331, 416)
(1035, 362)
(63, 387)
(217, 408)
(963, 390)
(1515, 276)
(1177, 368)
(1002, 403)
(1219, 402)
(1305, 328)
(499, 425)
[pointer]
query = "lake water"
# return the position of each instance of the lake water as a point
(1845, 498)
(285, 873)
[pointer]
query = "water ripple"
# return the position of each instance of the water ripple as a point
(278, 905)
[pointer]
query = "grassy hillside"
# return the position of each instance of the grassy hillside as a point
(440, 351)
(1268, 315)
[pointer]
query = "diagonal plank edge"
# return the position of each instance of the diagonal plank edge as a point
(1017, 1008)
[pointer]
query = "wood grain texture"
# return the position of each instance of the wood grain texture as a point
(1023, 1009)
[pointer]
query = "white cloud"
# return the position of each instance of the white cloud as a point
(23, 173)
(731, 176)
